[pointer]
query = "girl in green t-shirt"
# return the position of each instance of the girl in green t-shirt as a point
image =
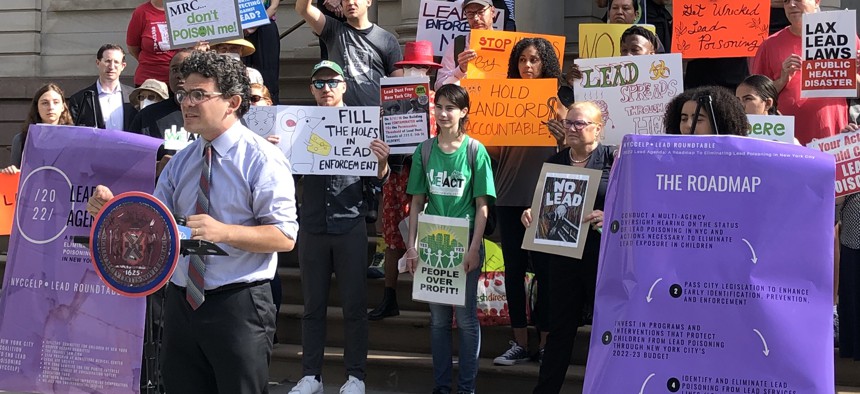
(452, 185)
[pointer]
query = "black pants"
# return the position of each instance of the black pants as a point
(223, 347)
(573, 283)
(849, 302)
(266, 59)
(516, 265)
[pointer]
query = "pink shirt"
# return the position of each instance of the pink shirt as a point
(813, 117)
(147, 29)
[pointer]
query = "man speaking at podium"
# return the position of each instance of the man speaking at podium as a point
(236, 190)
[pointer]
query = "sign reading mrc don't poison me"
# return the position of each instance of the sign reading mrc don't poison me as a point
(192, 21)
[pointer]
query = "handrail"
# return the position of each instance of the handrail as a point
(292, 29)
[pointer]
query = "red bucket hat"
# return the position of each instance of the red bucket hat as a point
(418, 53)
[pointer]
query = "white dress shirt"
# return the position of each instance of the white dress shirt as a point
(111, 105)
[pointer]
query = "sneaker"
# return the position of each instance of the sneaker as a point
(515, 355)
(308, 385)
(353, 385)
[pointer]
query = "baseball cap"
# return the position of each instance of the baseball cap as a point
(329, 65)
(481, 2)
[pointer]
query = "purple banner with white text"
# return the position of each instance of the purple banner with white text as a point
(716, 269)
(61, 329)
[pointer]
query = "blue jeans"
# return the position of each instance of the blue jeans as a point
(441, 318)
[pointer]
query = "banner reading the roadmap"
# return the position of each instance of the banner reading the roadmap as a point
(713, 278)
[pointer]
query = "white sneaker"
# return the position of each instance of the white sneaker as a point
(308, 385)
(352, 386)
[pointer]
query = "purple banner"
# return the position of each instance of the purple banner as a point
(716, 269)
(61, 329)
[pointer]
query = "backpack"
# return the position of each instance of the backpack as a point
(471, 155)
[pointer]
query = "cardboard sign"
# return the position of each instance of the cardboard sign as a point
(405, 112)
(512, 112)
(602, 39)
(563, 196)
(321, 140)
(9, 189)
(440, 277)
(252, 13)
(632, 91)
(494, 51)
(192, 21)
(829, 68)
(772, 127)
(693, 295)
(726, 28)
(846, 148)
(61, 329)
(440, 22)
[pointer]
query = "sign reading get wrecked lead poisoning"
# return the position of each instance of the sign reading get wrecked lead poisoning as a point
(192, 21)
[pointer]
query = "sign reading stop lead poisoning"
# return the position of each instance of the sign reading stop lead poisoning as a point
(846, 148)
(829, 52)
(193, 21)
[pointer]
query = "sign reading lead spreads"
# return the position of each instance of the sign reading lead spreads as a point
(829, 66)
(192, 21)
(698, 291)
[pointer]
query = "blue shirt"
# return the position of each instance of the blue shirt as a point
(251, 185)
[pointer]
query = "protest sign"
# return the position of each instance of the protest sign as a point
(693, 294)
(177, 139)
(61, 329)
(602, 39)
(252, 13)
(321, 140)
(846, 148)
(9, 189)
(511, 112)
(440, 22)
(440, 277)
(405, 112)
(632, 91)
(829, 67)
(192, 21)
(563, 196)
(494, 48)
(772, 127)
(727, 28)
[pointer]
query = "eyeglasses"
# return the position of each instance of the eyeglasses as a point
(472, 14)
(320, 83)
(577, 124)
(150, 97)
(256, 98)
(195, 96)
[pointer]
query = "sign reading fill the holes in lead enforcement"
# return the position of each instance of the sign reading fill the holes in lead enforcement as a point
(192, 21)
(829, 67)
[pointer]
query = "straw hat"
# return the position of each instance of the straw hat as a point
(247, 47)
(154, 85)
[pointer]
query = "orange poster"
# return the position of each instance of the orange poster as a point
(726, 28)
(494, 51)
(512, 112)
(9, 188)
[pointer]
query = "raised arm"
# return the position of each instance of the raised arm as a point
(311, 14)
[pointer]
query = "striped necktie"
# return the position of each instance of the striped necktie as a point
(197, 267)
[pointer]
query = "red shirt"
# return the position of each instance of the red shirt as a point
(813, 117)
(147, 30)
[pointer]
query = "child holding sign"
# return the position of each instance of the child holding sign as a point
(452, 186)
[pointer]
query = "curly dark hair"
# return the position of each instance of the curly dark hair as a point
(548, 58)
(230, 75)
(637, 30)
(765, 89)
(728, 112)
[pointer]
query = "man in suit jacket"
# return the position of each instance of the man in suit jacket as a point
(105, 104)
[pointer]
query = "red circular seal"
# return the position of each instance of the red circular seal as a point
(134, 243)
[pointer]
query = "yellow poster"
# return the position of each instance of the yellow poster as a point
(602, 39)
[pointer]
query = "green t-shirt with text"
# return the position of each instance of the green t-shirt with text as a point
(447, 181)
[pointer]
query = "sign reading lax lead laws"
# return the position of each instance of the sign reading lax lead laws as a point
(829, 68)
(192, 21)
(698, 290)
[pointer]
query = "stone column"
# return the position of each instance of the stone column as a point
(408, 26)
(540, 16)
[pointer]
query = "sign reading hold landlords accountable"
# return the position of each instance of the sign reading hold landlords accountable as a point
(698, 291)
